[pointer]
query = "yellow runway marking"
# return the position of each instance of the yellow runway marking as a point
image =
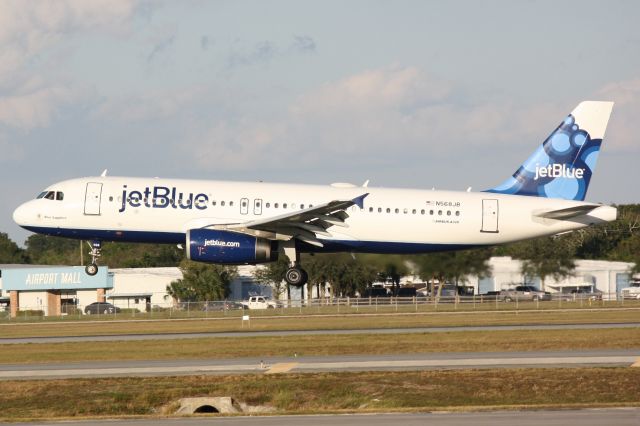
(282, 368)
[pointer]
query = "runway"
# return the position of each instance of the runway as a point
(174, 336)
(587, 417)
(274, 365)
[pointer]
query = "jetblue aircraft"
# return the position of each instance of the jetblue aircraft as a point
(252, 222)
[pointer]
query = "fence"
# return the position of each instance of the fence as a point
(328, 306)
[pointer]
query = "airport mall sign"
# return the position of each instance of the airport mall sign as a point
(55, 278)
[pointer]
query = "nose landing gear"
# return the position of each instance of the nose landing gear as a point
(92, 268)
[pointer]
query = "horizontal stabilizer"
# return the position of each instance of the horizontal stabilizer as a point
(568, 213)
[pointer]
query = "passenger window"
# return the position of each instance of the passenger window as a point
(405, 211)
(431, 212)
(457, 213)
(231, 203)
(370, 209)
(213, 203)
(301, 206)
(422, 211)
(379, 209)
(244, 204)
(448, 212)
(439, 212)
(388, 210)
(413, 211)
(268, 205)
(397, 210)
(275, 206)
(284, 205)
(222, 203)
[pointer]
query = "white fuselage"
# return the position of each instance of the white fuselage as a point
(391, 220)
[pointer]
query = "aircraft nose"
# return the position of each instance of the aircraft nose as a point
(22, 215)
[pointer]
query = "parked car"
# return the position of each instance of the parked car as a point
(524, 293)
(375, 292)
(259, 302)
(406, 292)
(226, 305)
(633, 291)
(586, 292)
(97, 308)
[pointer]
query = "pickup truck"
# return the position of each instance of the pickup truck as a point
(633, 291)
(259, 302)
(524, 293)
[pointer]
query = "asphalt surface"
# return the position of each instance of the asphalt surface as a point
(433, 361)
(590, 417)
(174, 336)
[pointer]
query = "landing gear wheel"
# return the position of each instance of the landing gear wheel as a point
(296, 276)
(91, 269)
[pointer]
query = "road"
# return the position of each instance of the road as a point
(173, 336)
(590, 417)
(323, 364)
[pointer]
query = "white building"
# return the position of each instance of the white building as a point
(608, 277)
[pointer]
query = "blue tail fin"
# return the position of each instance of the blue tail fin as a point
(563, 165)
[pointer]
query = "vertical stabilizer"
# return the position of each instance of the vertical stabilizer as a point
(562, 167)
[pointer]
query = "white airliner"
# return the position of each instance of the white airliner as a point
(252, 222)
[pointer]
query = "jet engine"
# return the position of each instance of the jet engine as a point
(230, 248)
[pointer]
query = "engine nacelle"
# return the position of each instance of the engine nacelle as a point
(231, 248)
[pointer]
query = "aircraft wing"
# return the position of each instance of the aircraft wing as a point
(305, 225)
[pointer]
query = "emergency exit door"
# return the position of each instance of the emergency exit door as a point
(489, 216)
(92, 198)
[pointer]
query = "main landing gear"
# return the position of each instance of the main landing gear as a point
(295, 275)
(92, 268)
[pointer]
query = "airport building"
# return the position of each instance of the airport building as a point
(56, 290)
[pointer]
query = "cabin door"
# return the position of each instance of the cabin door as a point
(489, 216)
(92, 198)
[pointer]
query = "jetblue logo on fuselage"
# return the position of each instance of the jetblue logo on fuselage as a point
(162, 197)
(558, 170)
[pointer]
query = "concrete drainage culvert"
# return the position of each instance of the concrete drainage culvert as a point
(214, 405)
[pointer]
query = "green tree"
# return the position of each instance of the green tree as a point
(273, 274)
(47, 250)
(389, 268)
(453, 266)
(546, 257)
(202, 282)
(9, 251)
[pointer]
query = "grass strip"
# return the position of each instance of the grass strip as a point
(355, 321)
(327, 392)
(309, 345)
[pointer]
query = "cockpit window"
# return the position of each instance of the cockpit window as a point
(41, 195)
(59, 196)
(51, 195)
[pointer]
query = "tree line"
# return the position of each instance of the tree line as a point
(348, 274)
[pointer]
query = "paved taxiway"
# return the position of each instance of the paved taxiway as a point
(173, 336)
(323, 364)
(589, 417)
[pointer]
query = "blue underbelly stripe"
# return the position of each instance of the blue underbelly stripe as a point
(180, 238)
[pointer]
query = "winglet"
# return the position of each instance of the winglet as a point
(359, 201)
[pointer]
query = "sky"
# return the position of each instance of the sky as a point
(418, 94)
